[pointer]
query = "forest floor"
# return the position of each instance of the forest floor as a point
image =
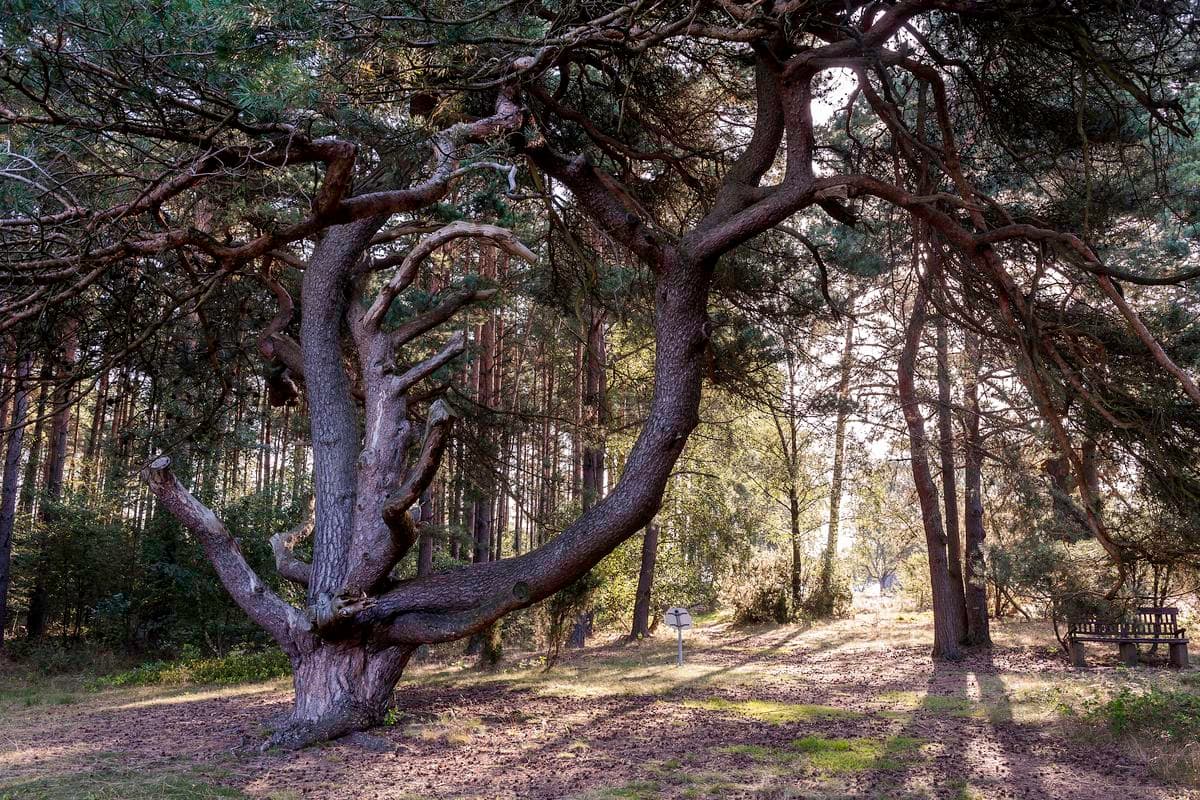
(853, 709)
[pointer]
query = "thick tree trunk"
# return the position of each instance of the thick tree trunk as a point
(340, 688)
(947, 617)
(641, 603)
(945, 426)
(8, 496)
(976, 583)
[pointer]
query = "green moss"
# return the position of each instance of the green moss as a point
(758, 753)
(857, 755)
(953, 705)
(770, 711)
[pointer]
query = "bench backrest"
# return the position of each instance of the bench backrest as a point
(1147, 621)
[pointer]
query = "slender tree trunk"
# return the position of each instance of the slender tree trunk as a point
(8, 495)
(594, 418)
(976, 582)
(425, 551)
(825, 596)
(949, 487)
(39, 599)
(947, 618)
(641, 603)
(797, 548)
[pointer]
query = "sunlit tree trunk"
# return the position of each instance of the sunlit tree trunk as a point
(825, 596)
(946, 453)
(641, 602)
(947, 616)
(976, 582)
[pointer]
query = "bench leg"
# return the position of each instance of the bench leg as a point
(1129, 654)
(1179, 656)
(1078, 659)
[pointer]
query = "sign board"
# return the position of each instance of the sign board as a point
(678, 618)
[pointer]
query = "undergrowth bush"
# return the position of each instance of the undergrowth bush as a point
(48, 657)
(1161, 725)
(237, 667)
(1170, 715)
(758, 590)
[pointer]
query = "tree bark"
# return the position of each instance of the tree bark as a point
(56, 460)
(825, 597)
(945, 426)
(594, 417)
(8, 495)
(947, 617)
(340, 688)
(976, 581)
(641, 603)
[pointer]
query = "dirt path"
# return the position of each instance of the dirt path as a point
(851, 710)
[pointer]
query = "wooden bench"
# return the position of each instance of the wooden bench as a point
(1149, 625)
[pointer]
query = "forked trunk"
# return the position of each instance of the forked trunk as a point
(947, 612)
(340, 688)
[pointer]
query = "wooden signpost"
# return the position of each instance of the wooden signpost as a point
(678, 618)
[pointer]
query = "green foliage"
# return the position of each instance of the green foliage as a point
(236, 667)
(759, 589)
(1169, 715)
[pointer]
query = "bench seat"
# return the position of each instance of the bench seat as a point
(1150, 625)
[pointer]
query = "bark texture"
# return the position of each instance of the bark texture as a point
(976, 582)
(641, 603)
(947, 616)
(8, 494)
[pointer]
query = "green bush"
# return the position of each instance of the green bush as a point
(1170, 715)
(237, 667)
(758, 590)
(49, 657)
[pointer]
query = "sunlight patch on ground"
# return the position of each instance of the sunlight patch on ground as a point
(769, 711)
(40, 754)
(198, 695)
(119, 783)
(857, 755)
(449, 728)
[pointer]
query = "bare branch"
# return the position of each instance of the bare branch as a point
(287, 563)
(502, 237)
(453, 348)
(260, 603)
(437, 435)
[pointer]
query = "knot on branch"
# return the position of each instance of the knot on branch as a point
(328, 612)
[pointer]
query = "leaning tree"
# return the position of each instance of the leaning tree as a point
(210, 148)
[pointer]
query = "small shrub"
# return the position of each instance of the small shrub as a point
(758, 590)
(1172, 716)
(49, 657)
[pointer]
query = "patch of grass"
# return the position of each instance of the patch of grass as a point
(770, 711)
(120, 784)
(237, 667)
(635, 790)
(951, 705)
(452, 729)
(857, 755)
(759, 753)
